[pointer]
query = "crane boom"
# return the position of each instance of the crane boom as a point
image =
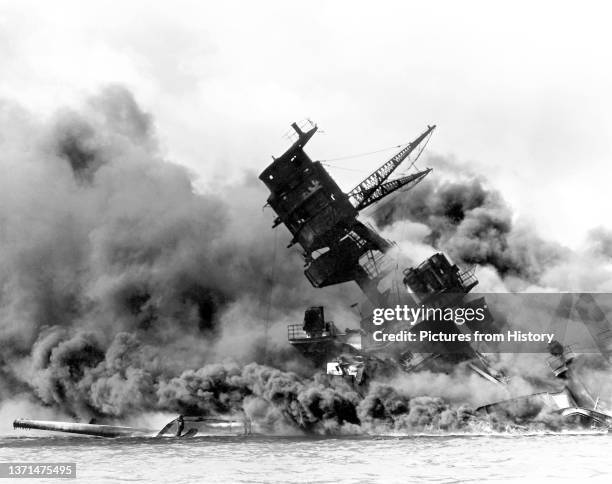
(389, 187)
(362, 193)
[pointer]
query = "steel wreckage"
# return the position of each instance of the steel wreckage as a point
(338, 248)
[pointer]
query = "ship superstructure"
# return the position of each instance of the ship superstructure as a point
(339, 248)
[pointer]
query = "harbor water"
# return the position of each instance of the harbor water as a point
(420, 458)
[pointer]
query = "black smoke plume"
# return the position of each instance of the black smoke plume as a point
(124, 290)
(117, 276)
(474, 225)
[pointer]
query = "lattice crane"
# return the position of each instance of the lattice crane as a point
(376, 186)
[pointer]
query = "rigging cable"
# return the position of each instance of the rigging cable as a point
(329, 165)
(365, 153)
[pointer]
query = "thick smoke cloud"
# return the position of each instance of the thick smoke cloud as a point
(116, 275)
(456, 210)
(600, 242)
(474, 225)
(125, 291)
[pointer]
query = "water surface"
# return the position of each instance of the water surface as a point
(451, 458)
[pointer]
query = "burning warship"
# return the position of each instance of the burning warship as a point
(338, 248)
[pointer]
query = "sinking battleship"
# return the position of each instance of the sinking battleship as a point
(339, 248)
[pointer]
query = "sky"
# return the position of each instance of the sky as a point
(520, 91)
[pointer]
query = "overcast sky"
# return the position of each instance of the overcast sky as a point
(520, 90)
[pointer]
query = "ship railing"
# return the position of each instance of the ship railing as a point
(296, 331)
(468, 277)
